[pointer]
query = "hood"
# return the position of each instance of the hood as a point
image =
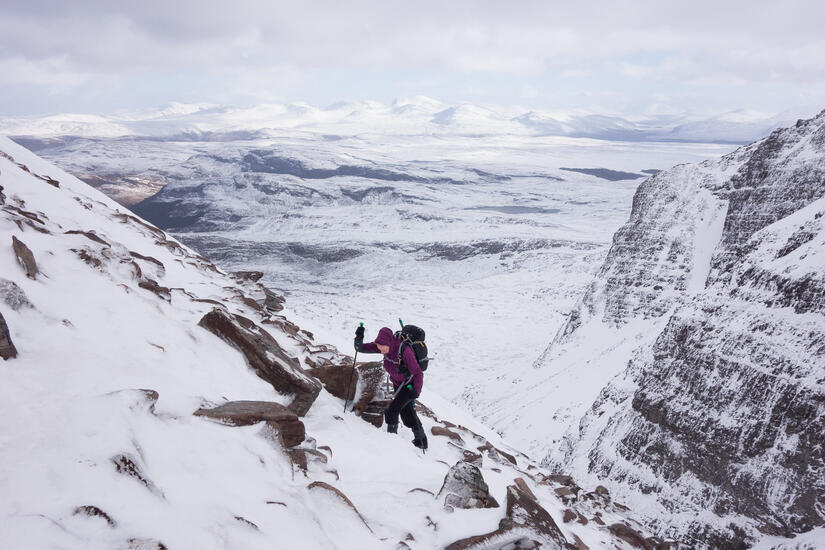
(385, 337)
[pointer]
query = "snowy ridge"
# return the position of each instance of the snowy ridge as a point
(715, 418)
(101, 449)
(415, 116)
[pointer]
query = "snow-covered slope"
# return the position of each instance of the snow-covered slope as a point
(704, 393)
(112, 354)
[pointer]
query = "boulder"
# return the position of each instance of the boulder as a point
(24, 257)
(265, 356)
(7, 349)
(340, 382)
(464, 487)
(272, 301)
(373, 412)
(253, 276)
(526, 525)
(291, 430)
(337, 380)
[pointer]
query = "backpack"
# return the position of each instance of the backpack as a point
(413, 336)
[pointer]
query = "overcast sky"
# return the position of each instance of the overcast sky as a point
(612, 56)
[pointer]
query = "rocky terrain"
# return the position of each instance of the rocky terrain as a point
(716, 417)
(152, 401)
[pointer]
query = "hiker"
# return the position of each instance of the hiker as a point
(406, 376)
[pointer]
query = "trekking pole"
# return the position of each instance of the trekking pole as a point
(346, 397)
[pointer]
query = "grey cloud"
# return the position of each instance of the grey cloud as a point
(732, 41)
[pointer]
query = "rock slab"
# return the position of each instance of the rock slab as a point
(265, 357)
(243, 413)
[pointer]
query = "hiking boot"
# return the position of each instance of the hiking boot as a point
(392, 428)
(420, 440)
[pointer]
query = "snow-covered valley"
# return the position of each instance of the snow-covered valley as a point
(490, 242)
(487, 242)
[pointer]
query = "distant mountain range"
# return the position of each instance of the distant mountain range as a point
(416, 116)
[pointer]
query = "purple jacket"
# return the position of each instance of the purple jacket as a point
(387, 338)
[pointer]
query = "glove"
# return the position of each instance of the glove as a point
(359, 337)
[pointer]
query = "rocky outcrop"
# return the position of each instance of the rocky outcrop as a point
(265, 356)
(7, 349)
(526, 525)
(25, 257)
(464, 487)
(290, 429)
(725, 411)
(253, 276)
(360, 389)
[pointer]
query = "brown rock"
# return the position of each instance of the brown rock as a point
(320, 485)
(526, 525)
(152, 286)
(446, 432)
(560, 479)
(374, 412)
(24, 257)
(149, 259)
(244, 413)
(578, 543)
(497, 454)
(370, 375)
(273, 302)
(630, 535)
(265, 356)
(298, 458)
(291, 430)
(522, 485)
(569, 515)
(91, 235)
(253, 276)
(336, 380)
(566, 494)
(7, 349)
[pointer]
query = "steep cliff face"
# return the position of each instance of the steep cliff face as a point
(721, 419)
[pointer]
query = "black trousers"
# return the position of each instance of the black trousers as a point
(403, 405)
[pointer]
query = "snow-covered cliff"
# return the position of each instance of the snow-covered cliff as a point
(713, 300)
